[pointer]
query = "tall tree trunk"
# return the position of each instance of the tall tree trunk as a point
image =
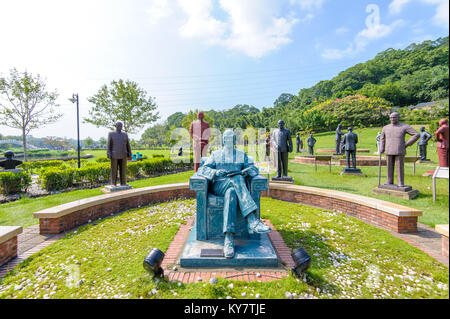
(24, 140)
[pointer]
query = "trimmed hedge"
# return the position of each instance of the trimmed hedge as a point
(34, 167)
(54, 178)
(12, 183)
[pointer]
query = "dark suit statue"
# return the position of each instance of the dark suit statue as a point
(118, 151)
(349, 141)
(392, 143)
(423, 142)
(311, 142)
(297, 140)
(337, 139)
(282, 144)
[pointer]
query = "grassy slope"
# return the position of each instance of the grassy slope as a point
(350, 260)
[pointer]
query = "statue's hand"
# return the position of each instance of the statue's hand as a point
(221, 173)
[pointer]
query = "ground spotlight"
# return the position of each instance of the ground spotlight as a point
(153, 261)
(302, 261)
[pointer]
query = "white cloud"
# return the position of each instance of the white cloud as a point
(252, 27)
(342, 30)
(200, 23)
(440, 18)
(159, 9)
(374, 30)
(308, 4)
(396, 6)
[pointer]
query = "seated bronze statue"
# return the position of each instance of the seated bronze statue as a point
(228, 172)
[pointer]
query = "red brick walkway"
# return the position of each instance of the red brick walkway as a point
(195, 275)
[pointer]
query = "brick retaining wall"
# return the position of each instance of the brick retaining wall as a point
(383, 214)
(8, 242)
(370, 215)
(8, 250)
(82, 216)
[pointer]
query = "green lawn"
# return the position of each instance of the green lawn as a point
(20, 213)
(433, 213)
(350, 259)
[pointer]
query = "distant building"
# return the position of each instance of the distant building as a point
(425, 105)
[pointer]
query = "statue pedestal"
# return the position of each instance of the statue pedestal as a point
(283, 180)
(248, 253)
(405, 192)
(115, 188)
(352, 171)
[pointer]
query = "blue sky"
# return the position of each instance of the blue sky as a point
(206, 54)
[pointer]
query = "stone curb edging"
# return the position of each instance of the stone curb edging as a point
(443, 230)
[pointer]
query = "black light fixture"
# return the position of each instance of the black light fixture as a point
(302, 261)
(153, 261)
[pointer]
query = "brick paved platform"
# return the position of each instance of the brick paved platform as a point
(187, 275)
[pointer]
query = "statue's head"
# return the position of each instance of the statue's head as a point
(339, 126)
(350, 129)
(200, 116)
(281, 124)
(422, 129)
(119, 126)
(395, 118)
(9, 154)
(229, 139)
(443, 122)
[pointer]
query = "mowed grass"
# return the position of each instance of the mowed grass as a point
(20, 213)
(433, 213)
(350, 259)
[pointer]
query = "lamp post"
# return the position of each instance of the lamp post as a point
(73, 100)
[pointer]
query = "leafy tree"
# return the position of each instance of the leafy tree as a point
(26, 104)
(123, 101)
(283, 99)
(102, 141)
(88, 142)
(155, 135)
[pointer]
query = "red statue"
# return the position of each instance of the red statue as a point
(200, 134)
(442, 138)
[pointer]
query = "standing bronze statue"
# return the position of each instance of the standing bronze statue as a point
(423, 143)
(297, 141)
(338, 141)
(349, 142)
(200, 134)
(392, 143)
(282, 143)
(443, 144)
(311, 142)
(118, 151)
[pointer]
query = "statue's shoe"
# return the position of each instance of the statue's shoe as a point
(258, 227)
(228, 247)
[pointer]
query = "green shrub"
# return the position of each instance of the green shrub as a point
(33, 167)
(12, 183)
(52, 178)
(102, 160)
(158, 155)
